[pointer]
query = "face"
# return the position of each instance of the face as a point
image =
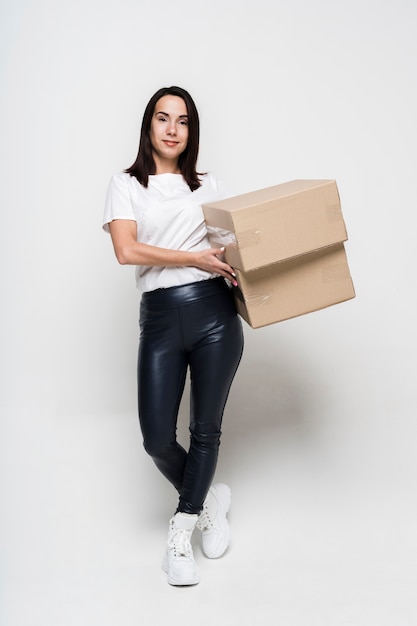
(169, 132)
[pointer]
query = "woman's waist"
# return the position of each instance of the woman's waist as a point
(189, 292)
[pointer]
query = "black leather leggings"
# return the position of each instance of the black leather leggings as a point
(195, 326)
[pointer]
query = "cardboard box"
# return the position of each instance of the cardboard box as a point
(276, 223)
(294, 287)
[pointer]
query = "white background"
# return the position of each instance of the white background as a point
(319, 440)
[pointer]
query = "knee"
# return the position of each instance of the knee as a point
(205, 437)
(158, 449)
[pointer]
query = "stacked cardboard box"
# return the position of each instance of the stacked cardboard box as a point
(286, 245)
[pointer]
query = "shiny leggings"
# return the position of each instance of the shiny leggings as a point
(192, 326)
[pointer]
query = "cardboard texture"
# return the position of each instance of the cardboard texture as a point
(294, 287)
(276, 223)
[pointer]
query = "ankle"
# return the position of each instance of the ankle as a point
(185, 521)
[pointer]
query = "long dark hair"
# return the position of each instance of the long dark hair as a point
(144, 166)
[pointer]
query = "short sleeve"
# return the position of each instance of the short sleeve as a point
(118, 205)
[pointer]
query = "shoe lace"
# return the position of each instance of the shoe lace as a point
(180, 543)
(204, 521)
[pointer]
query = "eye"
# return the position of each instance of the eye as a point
(184, 122)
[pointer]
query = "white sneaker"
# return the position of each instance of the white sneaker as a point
(179, 561)
(215, 532)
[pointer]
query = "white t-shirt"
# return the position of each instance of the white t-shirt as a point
(168, 215)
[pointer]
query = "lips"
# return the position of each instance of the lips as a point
(171, 144)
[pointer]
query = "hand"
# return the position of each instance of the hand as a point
(210, 261)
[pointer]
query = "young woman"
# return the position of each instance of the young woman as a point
(188, 320)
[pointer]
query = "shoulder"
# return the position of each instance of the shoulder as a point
(120, 179)
(122, 183)
(209, 180)
(118, 182)
(215, 186)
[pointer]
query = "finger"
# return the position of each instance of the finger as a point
(230, 275)
(229, 270)
(233, 279)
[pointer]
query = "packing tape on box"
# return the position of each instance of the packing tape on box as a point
(223, 237)
(255, 299)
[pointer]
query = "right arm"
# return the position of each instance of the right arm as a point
(129, 251)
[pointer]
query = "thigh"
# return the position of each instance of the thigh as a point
(162, 367)
(213, 364)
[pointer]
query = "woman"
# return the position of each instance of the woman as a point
(187, 318)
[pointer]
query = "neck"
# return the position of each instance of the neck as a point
(166, 166)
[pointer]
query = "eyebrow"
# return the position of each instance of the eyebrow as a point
(167, 114)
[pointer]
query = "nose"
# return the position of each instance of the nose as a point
(171, 129)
